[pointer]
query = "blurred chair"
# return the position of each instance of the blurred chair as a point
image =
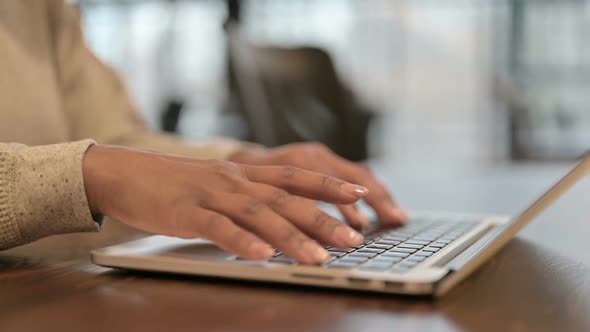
(294, 94)
(171, 114)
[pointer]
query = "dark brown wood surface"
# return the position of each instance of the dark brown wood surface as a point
(539, 282)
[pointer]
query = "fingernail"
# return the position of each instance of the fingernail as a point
(354, 189)
(261, 250)
(318, 253)
(350, 236)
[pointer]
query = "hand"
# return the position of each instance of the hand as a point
(245, 210)
(316, 157)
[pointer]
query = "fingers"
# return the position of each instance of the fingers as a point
(257, 217)
(378, 196)
(307, 184)
(380, 200)
(306, 216)
(198, 222)
(353, 216)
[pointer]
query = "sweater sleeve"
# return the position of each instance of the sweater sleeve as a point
(96, 103)
(42, 192)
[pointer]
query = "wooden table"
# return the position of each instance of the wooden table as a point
(539, 282)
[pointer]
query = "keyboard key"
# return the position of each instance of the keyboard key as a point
(416, 259)
(353, 259)
(404, 236)
(388, 242)
(341, 250)
(432, 235)
(420, 242)
(373, 250)
(431, 249)
(379, 246)
(387, 259)
(337, 253)
(424, 253)
(408, 250)
(427, 239)
(411, 246)
(342, 265)
(454, 235)
(396, 238)
(375, 267)
(394, 254)
(362, 254)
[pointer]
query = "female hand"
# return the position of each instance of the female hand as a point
(318, 158)
(246, 210)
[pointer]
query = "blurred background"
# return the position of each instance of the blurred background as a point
(458, 81)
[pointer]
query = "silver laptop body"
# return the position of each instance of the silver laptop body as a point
(428, 257)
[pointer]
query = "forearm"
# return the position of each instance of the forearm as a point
(42, 192)
(96, 103)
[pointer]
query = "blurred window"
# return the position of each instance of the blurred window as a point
(455, 80)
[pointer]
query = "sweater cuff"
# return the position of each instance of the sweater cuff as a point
(9, 232)
(49, 193)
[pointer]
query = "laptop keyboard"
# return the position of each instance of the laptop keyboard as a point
(395, 250)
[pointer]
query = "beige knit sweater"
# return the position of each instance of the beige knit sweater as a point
(55, 98)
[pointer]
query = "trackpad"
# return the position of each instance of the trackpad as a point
(200, 251)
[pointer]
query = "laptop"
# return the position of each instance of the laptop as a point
(427, 257)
